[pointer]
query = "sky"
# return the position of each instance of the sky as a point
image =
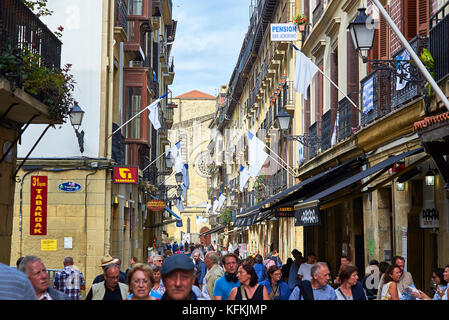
(208, 40)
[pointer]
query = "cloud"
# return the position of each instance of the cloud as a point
(208, 40)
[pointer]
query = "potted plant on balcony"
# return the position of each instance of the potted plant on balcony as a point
(53, 87)
(301, 21)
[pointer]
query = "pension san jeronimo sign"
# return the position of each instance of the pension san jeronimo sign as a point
(307, 217)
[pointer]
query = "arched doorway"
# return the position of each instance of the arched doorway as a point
(205, 239)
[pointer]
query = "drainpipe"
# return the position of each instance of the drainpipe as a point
(85, 220)
(110, 108)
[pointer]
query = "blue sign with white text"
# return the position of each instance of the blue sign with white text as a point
(69, 187)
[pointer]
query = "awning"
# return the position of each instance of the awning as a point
(213, 230)
(247, 220)
(306, 187)
(307, 210)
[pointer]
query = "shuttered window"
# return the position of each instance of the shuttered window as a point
(416, 18)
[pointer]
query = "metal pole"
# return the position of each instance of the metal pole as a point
(414, 56)
(338, 88)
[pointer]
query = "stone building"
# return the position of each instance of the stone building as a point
(194, 112)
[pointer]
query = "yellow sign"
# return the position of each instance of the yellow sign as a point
(49, 245)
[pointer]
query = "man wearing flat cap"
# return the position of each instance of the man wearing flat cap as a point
(178, 277)
(107, 259)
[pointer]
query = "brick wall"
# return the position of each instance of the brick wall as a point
(396, 14)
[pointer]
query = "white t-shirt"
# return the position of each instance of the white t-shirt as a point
(304, 271)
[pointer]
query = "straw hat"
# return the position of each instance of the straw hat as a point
(107, 259)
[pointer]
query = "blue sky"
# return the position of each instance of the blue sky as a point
(208, 40)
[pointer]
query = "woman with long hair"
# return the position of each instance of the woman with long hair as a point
(390, 290)
(249, 288)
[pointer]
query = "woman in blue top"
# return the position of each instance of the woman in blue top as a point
(441, 286)
(276, 287)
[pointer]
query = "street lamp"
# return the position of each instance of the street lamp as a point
(363, 30)
(283, 119)
(430, 177)
(178, 177)
(179, 191)
(76, 118)
(168, 160)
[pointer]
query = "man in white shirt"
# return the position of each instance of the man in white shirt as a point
(304, 272)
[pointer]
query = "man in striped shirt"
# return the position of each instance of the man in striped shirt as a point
(70, 280)
(15, 285)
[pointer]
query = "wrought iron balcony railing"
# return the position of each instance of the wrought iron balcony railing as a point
(439, 44)
(376, 96)
(317, 12)
(348, 117)
(20, 28)
(121, 14)
(313, 134)
(404, 91)
(326, 130)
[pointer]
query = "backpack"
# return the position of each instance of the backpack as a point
(305, 290)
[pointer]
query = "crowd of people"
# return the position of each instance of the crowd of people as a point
(192, 272)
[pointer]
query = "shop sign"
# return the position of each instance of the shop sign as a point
(179, 223)
(429, 218)
(69, 187)
(156, 205)
(283, 32)
(307, 217)
(127, 175)
(285, 212)
(38, 205)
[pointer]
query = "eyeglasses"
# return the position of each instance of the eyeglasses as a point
(159, 260)
(138, 281)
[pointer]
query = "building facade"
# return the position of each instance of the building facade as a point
(192, 116)
(359, 185)
(97, 198)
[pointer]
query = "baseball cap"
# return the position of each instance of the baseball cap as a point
(177, 262)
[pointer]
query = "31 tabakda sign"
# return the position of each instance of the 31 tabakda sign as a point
(126, 175)
(38, 205)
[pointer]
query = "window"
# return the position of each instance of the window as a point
(134, 102)
(135, 7)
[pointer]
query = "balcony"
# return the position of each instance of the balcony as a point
(19, 29)
(288, 96)
(317, 12)
(326, 130)
(376, 96)
(348, 117)
(163, 51)
(439, 42)
(412, 89)
(121, 14)
(313, 134)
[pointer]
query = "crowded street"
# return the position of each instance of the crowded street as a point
(238, 153)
